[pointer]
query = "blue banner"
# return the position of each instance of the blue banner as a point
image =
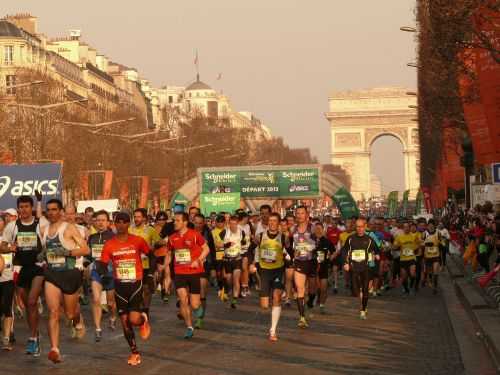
(17, 180)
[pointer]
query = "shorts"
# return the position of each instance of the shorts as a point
(307, 267)
(206, 268)
(374, 271)
(337, 261)
(323, 270)
(430, 261)
(219, 265)
(288, 263)
(128, 297)
(27, 274)
(245, 254)
(6, 298)
(69, 281)
(109, 283)
(148, 280)
(271, 280)
(231, 265)
(188, 281)
(406, 264)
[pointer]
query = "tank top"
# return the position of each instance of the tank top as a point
(303, 244)
(58, 262)
(28, 243)
(271, 251)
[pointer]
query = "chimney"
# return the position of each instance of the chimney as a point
(24, 21)
(75, 34)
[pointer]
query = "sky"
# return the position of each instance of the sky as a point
(279, 59)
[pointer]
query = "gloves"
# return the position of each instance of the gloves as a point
(38, 195)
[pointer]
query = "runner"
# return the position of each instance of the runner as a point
(22, 238)
(408, 243)
(270, 255)
(333, 235)
(245, 274)
(204, 230)
(234, 239)
(124, 252)
(289, 269)
(219, 255)
(431, 240)
(349, 230)
(361, 251)
(162, 273)
(189, 253)
(62, 244)
(325, 252)
(6, 297)
(96, 243)
(304, 260)
(142, 229)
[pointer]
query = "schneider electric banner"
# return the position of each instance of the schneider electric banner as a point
(224, 202)
(17, 180)
(294, 182)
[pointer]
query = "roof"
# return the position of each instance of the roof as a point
(9, 29)
(198, 85)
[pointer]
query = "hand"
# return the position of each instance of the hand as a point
(377, 257)
(12, 247)
(252, 268)
(196, 263)
(38, 195)
(346, 267)
(288, 257)
(41, 256)
(61, 251)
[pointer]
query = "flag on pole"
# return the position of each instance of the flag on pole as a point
(196, 58)
(219, 77)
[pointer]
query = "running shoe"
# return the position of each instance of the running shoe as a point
(112, 324)
(362, 315)
(36, 348)
(198, 324)
(273, 337)
(30, 347)
(55, 356)
(145, 328)
(165, 298)
(335, 291)
(134, 359)
(6, 345)
(322, 309)
(303, 323)
(189, 333)
(98, 335)
(233, 303)
(78, 332)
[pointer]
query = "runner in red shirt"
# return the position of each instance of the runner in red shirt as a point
(189, 252)
(124, 252)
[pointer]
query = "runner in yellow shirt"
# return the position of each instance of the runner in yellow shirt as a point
(408, 243)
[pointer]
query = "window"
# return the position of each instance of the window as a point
(10, 80)
(8, 55)
(170, 99)
(21, 55)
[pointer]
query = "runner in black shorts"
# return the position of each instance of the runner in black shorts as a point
(124, 251)
(219, 255)
(324, 252)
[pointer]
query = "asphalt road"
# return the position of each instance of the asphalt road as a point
(401, 336)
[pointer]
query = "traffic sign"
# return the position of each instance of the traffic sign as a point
(495, 173)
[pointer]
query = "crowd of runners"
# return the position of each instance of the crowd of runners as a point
(54, 259)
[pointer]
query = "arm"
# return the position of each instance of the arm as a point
(101, 265)
(81, 248)
(7, 245)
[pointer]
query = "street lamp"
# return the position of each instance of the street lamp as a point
(408, 29)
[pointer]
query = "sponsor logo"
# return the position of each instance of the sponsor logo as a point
(27, 187)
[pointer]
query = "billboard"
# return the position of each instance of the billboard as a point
(24, 179)
(280, 182)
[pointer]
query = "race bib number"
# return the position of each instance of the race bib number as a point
(233, 251)
(407, 252)
(97, 251)
(27, 240)
(7, 259)
(483, 248)
(321, 257)
(219, 255)
(358, 255)
(125, 270)
(268, 255)
(432, 251)
(182, 256)
(55, 260)
(303, 249)
(145, 261)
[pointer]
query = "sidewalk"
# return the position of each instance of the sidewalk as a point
(481, 306)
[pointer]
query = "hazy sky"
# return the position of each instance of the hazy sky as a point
(279, 59)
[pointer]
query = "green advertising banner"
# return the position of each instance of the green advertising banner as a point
(275, 182)
(227, 202)
(419, 202)
(179, 198)
(392, 204)
(406, 195)
(345, 203)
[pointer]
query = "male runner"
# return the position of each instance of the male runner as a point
(245, 274)
(6, 297)
(304, 260)
(270, 255)
(325, 252)
(22, 238)
(431, 241)
(407, 243)
(189, 252)
(234, 239)
(96, 243)
(62, 244)
(125, 252)
(333, 235)
(360, 250)
(219, 255)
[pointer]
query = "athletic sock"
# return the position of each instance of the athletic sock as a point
(275, 317)
(300, 305)
(204, 307)
(310, 300)
(364, 302)
(405, 286)
(435, 280)
(198, 313)
(130, 337)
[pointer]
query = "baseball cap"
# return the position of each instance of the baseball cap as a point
(11, 211)
(122, 216)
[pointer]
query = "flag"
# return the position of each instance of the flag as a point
(405, 203)
(345, 203)
(196, 59)
(419, 201)
(219, 77)
(392, 204)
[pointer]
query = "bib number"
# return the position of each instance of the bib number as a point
(358, 255)
(27, 240)
(321, 257)
(219, 255)
(233, 251)
(126, 270)
(482, 248)
(55, 260)
(407, 252)
(7, 259)
(268, 255)
(182, 256)
(97, 251)
(145, 261)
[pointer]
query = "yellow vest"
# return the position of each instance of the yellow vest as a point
(271, 252)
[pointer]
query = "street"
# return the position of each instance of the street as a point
(401, 336)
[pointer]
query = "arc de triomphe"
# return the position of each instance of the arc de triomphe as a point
(358, 118)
